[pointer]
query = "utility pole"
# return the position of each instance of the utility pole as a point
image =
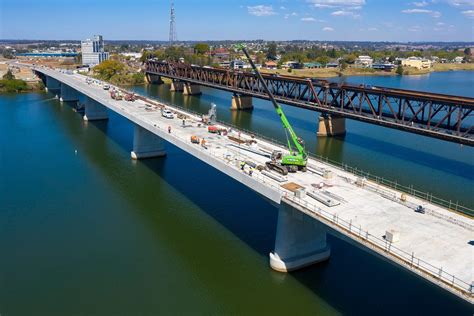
(172, 38)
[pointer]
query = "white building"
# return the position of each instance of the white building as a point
(364, 61)
(93, 51)
(417, 62)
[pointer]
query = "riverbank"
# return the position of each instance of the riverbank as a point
(336, 72)
(18, 85)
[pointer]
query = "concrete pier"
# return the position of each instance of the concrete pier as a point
(153, 79)
(95, 111)
(191, 89)
(177, 86)
(241, 102)
(330, 125)
(68, 93)
(147, 144)
(300, 241)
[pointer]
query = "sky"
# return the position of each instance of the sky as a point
(343, 20)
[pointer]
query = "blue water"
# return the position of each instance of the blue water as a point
(84, 230)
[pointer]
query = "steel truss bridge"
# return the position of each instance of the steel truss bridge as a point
(435, 115)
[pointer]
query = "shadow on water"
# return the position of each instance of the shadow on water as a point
(353, 281)
(409, 154)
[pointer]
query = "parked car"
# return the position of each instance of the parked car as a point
(106, 87)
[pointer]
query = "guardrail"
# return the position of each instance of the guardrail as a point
(426, 196)
(378, 244)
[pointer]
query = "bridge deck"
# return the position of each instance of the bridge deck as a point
(436, 245)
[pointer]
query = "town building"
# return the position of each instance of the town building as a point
(417, 62)
(270, 64)
(458, 59)
(363, 61)
(93, 51)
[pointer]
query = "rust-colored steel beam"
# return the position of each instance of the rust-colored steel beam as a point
(435, 115)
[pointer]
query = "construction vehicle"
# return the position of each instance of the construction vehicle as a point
(195, 139)
(114, 94)
(130, 97)
(211, 116)
(297, 157)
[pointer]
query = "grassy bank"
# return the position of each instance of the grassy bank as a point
(17, 85)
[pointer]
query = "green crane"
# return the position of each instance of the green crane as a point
(298, 157)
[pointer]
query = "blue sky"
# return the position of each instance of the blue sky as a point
(373, 20)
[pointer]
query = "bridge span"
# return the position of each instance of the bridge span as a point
(435, 244)
(434, 115)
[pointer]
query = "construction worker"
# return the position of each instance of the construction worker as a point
(250, 171)
(242, 165)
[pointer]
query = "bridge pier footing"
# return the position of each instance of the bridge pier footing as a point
(94, 111)
(300, 241)
(241, 102)
(177, 86)
(331, 125)
(191, 89)
(68, 93)
(146, 144)
(153, 79)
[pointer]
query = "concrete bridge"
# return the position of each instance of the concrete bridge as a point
(435, 245)
(434, 115)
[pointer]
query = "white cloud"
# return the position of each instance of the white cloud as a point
(282, 8)
(460, 3)
(308, 19)
(324, 4)
(440, 24)
(372, 29)
(420, 4)
(468, 13)
(261, 10)
(345, 13)
(328, 29)
(435, 14)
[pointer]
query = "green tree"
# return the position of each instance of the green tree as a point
(9, 75)
(332, 53)
(343, 65)
(108, 68)
(399, 70)
(467, 51)
(272, 51)
(201, 48)
(323, 60)
(350, 59)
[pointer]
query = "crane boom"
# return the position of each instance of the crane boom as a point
(294, 138)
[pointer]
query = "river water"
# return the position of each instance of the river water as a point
(84, 230)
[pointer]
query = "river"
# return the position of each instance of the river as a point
(84, 230)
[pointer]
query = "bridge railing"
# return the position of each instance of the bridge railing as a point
(376, 243)
(410, 190)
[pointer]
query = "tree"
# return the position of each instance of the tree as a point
(350, 59)
(399, 70)
(332, 53)
(467, 51)
(201, 48)
(343, 65)
(108, 68)
(272, 51)
(8, 75)
(323, 60)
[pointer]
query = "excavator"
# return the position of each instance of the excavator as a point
(297, 157)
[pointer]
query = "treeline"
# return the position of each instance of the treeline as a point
(116, 72)
(199, 54)
(323, 56)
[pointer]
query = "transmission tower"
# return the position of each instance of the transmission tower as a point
(173, 37)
